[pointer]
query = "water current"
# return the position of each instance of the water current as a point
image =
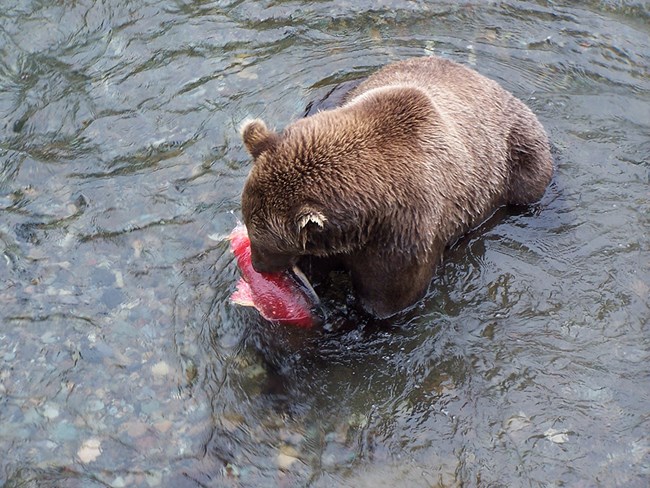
(122, 361)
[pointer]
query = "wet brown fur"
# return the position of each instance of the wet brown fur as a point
(418, 154)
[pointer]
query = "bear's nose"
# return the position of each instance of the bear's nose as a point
(261, 265)
(264, 262)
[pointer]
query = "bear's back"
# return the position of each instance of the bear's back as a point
(446, 82)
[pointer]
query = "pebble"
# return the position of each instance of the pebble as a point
(163, 426)
(231, 470)
(119, 279)
(37, 253)
(153, 479)
(64, 432)
(89, 451)
(48, 337)
(50, 411)
(95, 405)
(328, 461)
(557, 436)
(118, 482)
(247, 74)
(284, 461)
(517, 422)
(150, 407)
(138, 246)
(136, 428)
(160, 369)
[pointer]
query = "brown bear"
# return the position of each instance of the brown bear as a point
(416, 155)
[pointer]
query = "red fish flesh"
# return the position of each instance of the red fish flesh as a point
(285, 297)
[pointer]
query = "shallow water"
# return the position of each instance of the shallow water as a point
(122, 362)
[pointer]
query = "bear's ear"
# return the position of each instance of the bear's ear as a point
(257, 138)
(309, 221)
(311, 217)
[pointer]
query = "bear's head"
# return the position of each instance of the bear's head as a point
(331, 183)
(283, 217)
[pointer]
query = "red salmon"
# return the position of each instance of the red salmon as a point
(279, 297)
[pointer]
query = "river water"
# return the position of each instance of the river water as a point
(122, 362)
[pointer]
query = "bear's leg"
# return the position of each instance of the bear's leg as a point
(529, 157)
(386, 286)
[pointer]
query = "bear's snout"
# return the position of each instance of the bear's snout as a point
(262, 267)
(268, 262)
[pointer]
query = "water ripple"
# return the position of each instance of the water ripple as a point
(120, 162)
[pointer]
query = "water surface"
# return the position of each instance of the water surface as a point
(122, 362)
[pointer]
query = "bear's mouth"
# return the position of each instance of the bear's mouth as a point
(304, 283)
